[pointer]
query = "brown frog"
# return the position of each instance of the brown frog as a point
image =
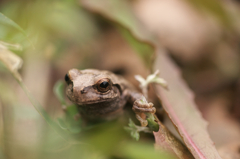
(103, 95)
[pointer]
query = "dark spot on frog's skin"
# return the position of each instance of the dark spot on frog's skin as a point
(83, 91)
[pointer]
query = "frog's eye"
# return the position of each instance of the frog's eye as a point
(67, 79)
(103, 85)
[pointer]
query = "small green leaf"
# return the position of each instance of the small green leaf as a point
(135, 135)
(133, 129)
(131, 124)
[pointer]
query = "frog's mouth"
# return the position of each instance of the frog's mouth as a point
(97, 101)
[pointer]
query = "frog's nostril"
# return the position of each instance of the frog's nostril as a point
(83, 91)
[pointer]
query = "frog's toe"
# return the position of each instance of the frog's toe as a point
(139, 107)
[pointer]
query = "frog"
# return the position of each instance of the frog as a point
(102, 95)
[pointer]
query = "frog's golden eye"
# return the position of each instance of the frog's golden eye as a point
(103, 85)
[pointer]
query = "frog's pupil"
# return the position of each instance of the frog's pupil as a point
(104, 84)
(67, 78)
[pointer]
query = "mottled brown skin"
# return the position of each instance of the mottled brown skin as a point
(102, 94)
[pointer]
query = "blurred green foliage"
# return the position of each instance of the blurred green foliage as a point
(66, 29)
(46, 22)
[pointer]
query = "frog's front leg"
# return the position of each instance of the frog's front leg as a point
(140, 106)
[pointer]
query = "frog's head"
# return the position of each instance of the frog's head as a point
(90, 86)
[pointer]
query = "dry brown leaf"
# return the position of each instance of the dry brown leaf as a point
(166, 141)
(179, 104)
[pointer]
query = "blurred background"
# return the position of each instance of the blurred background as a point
(201, 36)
